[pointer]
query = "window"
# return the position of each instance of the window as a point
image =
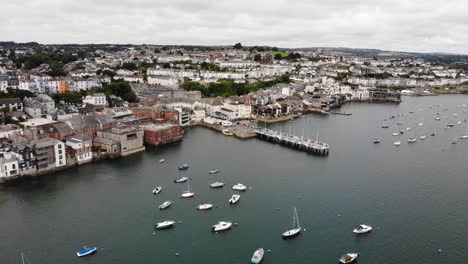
(59, 146)
(60, 151)
(13, 166)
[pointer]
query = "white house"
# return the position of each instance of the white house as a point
(59, 149)
(163, 80)
(8, 165)
(81, 146)
(95, 99)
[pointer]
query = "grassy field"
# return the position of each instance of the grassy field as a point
(283, 53)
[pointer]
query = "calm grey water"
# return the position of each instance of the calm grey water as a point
(415, 196)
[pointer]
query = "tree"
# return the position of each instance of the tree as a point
(294, 56)
(278, 56)
(257, 57)
(129, 66)
(108, 73)
(274, 49)
(56, 69)
(238, 46)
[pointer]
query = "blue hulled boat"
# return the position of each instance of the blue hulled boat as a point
(86, 251)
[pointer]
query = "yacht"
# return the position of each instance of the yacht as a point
(165, 224)
(221, 226)
(181, 179)
(183, 167)
(376, 141)
(397, 143)
(157, 190)
(86, 251)
(348, 258)
(257, 256)
(362, 229)
(204, 206)
(216, 185)
(423, 137)
(234, 199)
(214, 171)
(187, 193)
(165, 205)
(239, 187)
(295, 229)
(162, 160)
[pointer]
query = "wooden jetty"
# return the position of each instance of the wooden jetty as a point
(304, 144)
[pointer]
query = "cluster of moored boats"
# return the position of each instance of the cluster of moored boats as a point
(413, 138)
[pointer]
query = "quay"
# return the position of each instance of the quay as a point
(308, 145)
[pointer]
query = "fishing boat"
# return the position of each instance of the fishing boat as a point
(187, 193)
(376, 141)
(397, 143)
(162, 160)
(216, 185)
(165, 224)
(362, 229)
(257, 256)
(183, 167)
(157, 190)
(221, 226)
(165, 205)
(204, 206)
(227, 132)
(86, 251)
(239, 187)
(234, 199)
(181, 179)
(214, 171)
(348, 258)
(295, 229)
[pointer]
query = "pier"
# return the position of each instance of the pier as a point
(308, 145)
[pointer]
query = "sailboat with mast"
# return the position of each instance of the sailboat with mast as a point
(295, 229)
(23, 257)
(187, 193)
(465, 136)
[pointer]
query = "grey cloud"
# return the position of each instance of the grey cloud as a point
(416, 25)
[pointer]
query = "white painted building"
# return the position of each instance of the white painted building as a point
(162, 80)
(95, 99)
(59, 149)
(9, 166)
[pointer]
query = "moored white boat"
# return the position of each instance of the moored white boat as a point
(454, 141)
(362, 229)
(348, 258)
(216, 185)
(397, 143)
(221, 226)
(423, 137)
(165, 224)
(257, 256)
(181, 179)
(157, 190)
(395, 134)
(206, 206)
(214, 171)
(239, 187)
(86, 251)
(162, 160)
(296, 229)
(411, 140)
(187, 193)
(234, 199)
(165, 205)
(376, 141)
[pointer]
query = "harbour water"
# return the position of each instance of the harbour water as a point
(415, 196)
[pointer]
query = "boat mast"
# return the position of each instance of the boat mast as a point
(297, 218)
(22, 257)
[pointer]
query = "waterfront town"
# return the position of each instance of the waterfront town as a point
(64, 106)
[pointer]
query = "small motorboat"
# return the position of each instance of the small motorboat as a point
(214, 171)
(450, 125)
(397, 143)
(459, 122)
(423, 137)
(362, 229)
(183, 167)
(239, 187)
(204, 206)
(402, 131)
(464, 137)
(181, 179)
(162, 160)
(216, 185)
(227, 132)
(437, 118)
(157, 190)
(234, 199)
(257, 256)
(433, 134)
(376, 141)
(165, 205)
(86, 251)
(454, 141)
(385, 125)
(165, 224)
(221, 226)
(395, 134)
(408, 128)
(421, 124)
(348, 258)
(411, 140)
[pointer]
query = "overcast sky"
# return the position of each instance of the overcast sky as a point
(404, 25)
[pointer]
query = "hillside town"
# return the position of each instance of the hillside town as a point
(66, 106)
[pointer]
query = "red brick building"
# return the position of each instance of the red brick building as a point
(159, 134)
